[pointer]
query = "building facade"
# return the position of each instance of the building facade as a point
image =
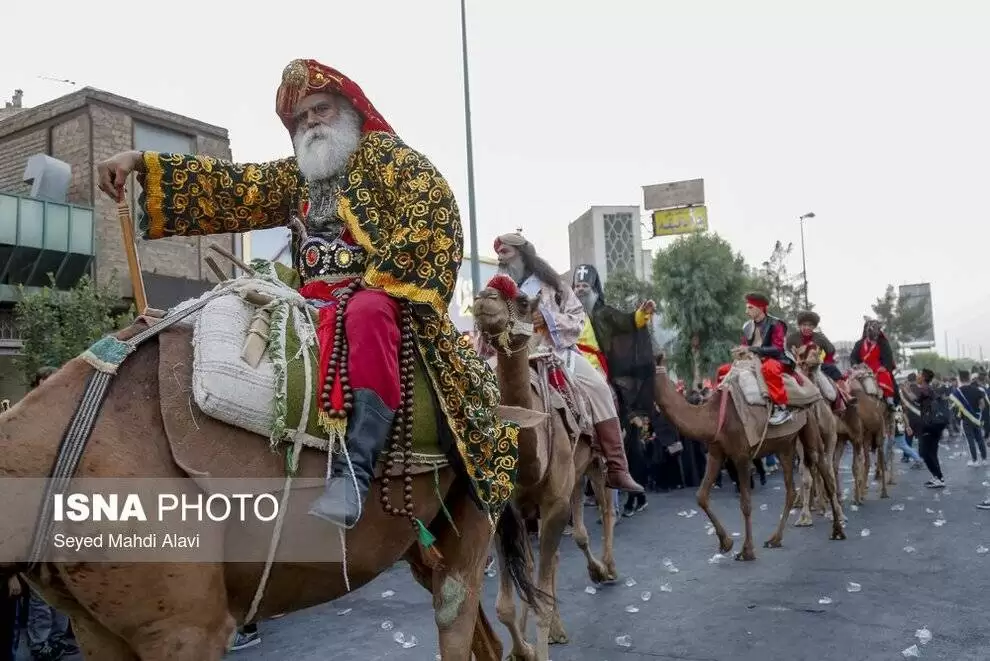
(77, 231)
(610, 238)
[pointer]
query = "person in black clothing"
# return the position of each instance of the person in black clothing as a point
(932, 427)
(969, 401)
(13, 612)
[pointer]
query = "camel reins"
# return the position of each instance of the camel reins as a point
(80, 427)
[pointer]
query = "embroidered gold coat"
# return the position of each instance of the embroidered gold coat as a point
(400, 209)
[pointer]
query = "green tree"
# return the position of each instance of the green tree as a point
(702, 281)
(901, 320)
(58, 325)
(627, 292)
(941, 365)
(785, 290)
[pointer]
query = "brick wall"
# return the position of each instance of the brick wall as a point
(70, 143)
(16, 150)
(66, 128)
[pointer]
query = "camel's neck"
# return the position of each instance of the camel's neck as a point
(512, 371)
(696, 422)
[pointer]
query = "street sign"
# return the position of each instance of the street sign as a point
(669, 222)
(675, 194)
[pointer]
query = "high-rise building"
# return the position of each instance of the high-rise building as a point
(610, 238)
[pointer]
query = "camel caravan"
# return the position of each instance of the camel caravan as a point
(386, 433)
(158, 416)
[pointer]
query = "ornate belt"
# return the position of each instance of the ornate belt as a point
(331, 261)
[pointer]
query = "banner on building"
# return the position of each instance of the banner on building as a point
(918, 300)
(670, 222)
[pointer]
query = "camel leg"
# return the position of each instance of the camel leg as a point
(596, 570)
(805, 519)
(505, 608)
(95, 640)
(712, 468)
(558, 635)
(746, 505)
(840, 448)
(787, 462)
(553, 520)
(860, 473)
(889, 462)
(458, 585)
(486, 644)
(867, 459)
(188, 621)
(604, 498)
(829, 484)
(882, 467)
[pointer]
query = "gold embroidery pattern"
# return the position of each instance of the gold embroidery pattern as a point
(402, 212)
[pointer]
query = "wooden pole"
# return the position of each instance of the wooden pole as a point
(133, 263)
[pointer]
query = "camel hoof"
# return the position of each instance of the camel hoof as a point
(598, 573)
(884, 494)
(725, 546)
(526, 654)
(558, 636)
(773, 544)
(804, 522)
(837, 535)
(745, 556)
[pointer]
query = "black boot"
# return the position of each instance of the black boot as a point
(367, 432)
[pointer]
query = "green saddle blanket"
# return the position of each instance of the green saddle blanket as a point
(427, 426)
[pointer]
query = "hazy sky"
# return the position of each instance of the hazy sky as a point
(874, 115)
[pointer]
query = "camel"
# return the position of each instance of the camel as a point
(829, 426)
(875, 419)
(546, 476)
(188, 612)
(728, 440)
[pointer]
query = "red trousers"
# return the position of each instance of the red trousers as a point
(773, 374)
(371, 322)
(886, 382)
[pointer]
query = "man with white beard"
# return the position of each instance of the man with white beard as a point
(379, 259)
(559, 317)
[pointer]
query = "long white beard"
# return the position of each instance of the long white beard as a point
(514, 269)
(322, 151)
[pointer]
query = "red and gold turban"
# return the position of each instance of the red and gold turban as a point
(304, 77)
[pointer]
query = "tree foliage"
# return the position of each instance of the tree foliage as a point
(702, 283)
(901, 320)
(785, 290)
(942, 366)
(627, 292)
(57, 325)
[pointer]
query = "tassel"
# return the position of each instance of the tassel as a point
(427, 543)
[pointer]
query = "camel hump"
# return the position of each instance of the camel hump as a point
(525, 418)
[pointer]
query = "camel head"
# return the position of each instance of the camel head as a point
(502, 314)
(808, 357)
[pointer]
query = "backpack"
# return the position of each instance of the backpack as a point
(937, 413)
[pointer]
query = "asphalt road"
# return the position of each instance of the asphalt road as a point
(768, 609)
(757, 611)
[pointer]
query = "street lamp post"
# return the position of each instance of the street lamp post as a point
(804, 265)
(472, 217)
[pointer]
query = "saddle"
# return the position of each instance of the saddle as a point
(746, 376)
(867, 380)
(274, 392)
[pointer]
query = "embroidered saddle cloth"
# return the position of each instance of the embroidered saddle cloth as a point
(273, 397)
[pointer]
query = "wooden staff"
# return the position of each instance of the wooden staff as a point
(133, 263)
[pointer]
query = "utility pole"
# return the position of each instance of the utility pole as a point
(804, 265)
(472, 216)
(946, 344)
